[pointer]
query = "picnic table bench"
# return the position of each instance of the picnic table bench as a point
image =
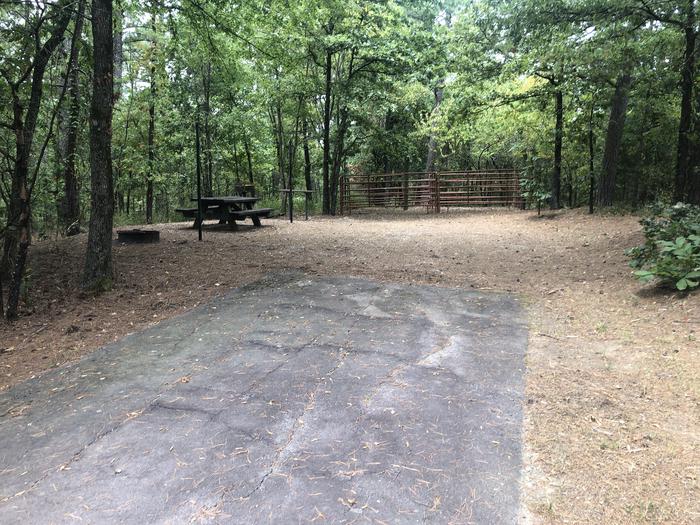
(227, 210)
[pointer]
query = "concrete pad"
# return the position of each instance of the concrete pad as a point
(291, 400)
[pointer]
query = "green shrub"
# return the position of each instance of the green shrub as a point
(671, 251)
(535, 193)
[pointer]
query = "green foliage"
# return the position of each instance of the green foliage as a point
(535, 193)
(671, 252)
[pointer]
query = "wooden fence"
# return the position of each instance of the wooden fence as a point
(498, 188)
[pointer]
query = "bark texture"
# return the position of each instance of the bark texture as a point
(98, 273)
(69, 204)
(326, 207)
(613, 140)
(683, 154)
(558, 140)
(432, 146)
(17, 233)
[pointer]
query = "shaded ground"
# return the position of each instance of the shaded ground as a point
(339, 400)
(612, 419)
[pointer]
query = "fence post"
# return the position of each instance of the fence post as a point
(405, 191)
(436, 183)
(342, 197)
(369, 197)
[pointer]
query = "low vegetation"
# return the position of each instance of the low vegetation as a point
(671, 252)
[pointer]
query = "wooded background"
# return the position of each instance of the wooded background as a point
(594, 100)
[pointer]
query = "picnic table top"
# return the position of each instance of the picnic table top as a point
(228, 199)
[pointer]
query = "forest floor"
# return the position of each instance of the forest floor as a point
(612, 428)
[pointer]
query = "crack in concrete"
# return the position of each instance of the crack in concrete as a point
(102, 434)
(299, 420)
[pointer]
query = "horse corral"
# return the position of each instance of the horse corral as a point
(433, 190)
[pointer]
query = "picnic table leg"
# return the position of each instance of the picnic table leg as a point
(256, 220)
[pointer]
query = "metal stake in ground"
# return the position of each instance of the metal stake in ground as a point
(199, 180)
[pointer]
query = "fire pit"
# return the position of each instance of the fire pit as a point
(137, 236)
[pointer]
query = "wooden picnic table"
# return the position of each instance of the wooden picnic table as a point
(227, 209)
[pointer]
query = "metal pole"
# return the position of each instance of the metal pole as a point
(291, 198)
(199, 181)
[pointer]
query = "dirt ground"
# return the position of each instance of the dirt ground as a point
(612, 430)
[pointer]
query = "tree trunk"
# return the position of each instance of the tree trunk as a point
(151, 122)
(208, 164)
(613, 140)
(250, 162)
(307, 156)
(558, 138)
(278, 179)
(694, 177)
(591, 161)
(236, 167)
(98, 274)
(118, 49)
(69, 205)
(327, 134)
(432, 146)
(683, 153)
(17, 233)
(338, 156)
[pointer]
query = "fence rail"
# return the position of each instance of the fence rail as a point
(434, 190)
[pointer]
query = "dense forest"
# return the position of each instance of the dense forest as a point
(595, 101)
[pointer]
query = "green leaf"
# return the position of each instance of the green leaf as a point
(644, 275)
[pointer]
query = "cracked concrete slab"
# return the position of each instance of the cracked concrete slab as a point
(291, 400)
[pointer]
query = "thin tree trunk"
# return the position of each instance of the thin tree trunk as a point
(118, 49)
(613, 140)
(250, 162)
(432, 146)
(69, 206)
(558, 139)
(683, 153)
(338, 156)
(307, 156)
(151, 122)
(98, 274)
(591, 161)
(327, 133)
(208, 164)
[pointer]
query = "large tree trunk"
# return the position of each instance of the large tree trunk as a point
(558, 139)
(432, 146)
(327, 133)
(694, 177)
(17, 233)
(613, 140)
(69, 205)
(683, 153)
(98, 274)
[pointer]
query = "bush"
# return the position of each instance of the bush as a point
(671, 252)
(535, 193)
